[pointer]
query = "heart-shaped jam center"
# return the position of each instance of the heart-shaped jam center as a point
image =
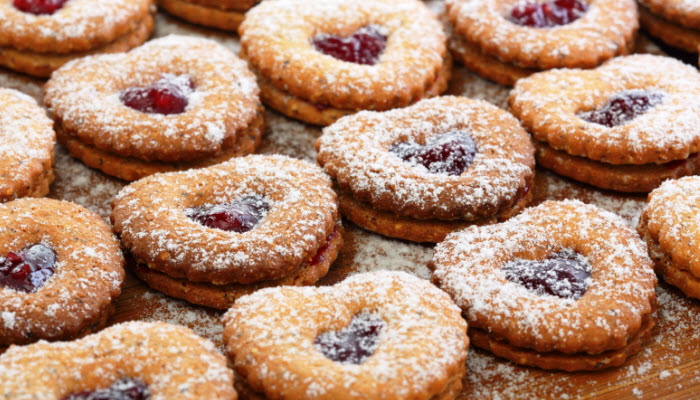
(450, 153)
(353, 344)
(623, 107)
(29, 269)
(546, 15)
(362, 47)
(240, 216)
(563, 274)
(169, 95)
(123, 389)
(39, 7)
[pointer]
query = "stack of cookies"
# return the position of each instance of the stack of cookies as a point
(221, 14)
(675, 22)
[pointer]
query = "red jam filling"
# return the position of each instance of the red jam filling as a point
(450, 153)
(362, 47)
(546, 15)
(623, 107)
(563, 274)
(240, 216)
(322, 252)
(353, 344)
(39, 7)
(29, 269)
(169, 95)
(123, 389)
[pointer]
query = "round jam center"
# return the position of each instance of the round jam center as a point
(29, 269)
(123, 389)
(623, 107)
(353, 344)
(169, 95)
(564, 274)
(39, 7)
(546, 15)
(362, 47)
(450, 153)
(240, 216)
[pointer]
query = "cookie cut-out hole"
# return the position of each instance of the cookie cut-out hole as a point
(623, 107)
(240, 216)
(563, 274)
(39, 7)
(29, 269)
(123, 389)
(353, 344)
(364, 46)
(546, 15)
(450, 153)
(169, 95)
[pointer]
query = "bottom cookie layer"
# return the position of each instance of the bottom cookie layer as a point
(622, 178)
(673, 35)
(416, 230)
(560, 361)
(43, 64)
(39, 187)
(131, 169)
(228, 20)
(223, 296)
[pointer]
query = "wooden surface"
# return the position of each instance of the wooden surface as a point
(668, 367)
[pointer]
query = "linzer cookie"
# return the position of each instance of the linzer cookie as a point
(563, 285)
(504, 40)
(674, 22)
(129, 361)
(221, 14)
(27, 143)
(60, 269)
(212, 235)
(421, 172)
(623, 126)
(174, 103)
(381, 335)
(670, 224)
(38, 36)
(318, 61)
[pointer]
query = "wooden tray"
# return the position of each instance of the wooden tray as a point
(668, 367)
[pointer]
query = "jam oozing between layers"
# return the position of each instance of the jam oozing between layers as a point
(355, 343)
(450, 153)
(169, 95)
(563, 274)
(623, 107)
(123, 389)
(28, 270)
(239, 216)
(546, 15)
(364, 46)
(39, 7)
(322, 252)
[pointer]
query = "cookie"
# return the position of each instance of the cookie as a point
(563, 285)
(344, 57)
(505, 38)
(135, 360)
(60, 269)
(678, 36)
(37, 37)
(669, 224)
(27, 149)
(221, 16)
(234, 227)
(681, 12)
(173, 103)
(623, 115)
(363, 338)
(441, 163)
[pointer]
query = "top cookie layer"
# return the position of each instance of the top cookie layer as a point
(276, 38)
(79, 25)
(548, 104)
(604, 31)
